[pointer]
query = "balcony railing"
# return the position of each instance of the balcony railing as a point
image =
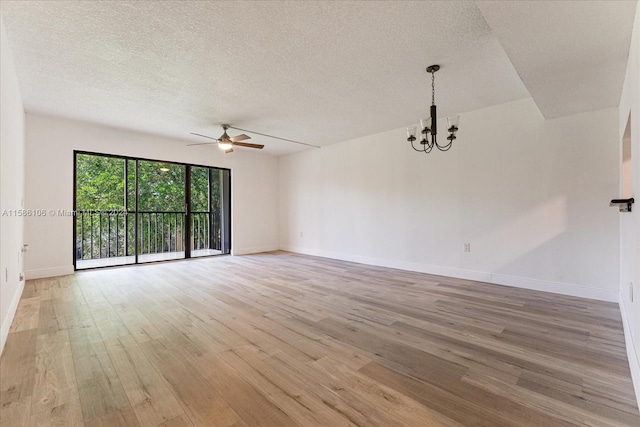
(108, 234)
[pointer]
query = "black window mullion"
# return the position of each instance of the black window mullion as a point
(75, 217)
(225, 205)
(135, 226)
(209, 213)
(187, 205)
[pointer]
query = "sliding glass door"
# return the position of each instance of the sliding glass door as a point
(136, 211)
(161, 211)
(208, 206)
(104, 232)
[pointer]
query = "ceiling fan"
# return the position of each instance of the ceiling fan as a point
(226, 143)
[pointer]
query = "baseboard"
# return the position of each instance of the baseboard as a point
(254, 250)
(555, 287)
(480, 276)
(8, 319)
(48, 272)
(632, 355)
(401, 265)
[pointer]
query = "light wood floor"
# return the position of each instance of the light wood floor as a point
(281, 339)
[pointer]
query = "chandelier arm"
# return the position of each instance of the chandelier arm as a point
(445, 147)
(428, 147)
(413, 146)
(428, 150)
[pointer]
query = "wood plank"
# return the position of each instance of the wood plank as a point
(449, 404)
(202, 403)
(180, 421)
(99, 387)
(122, 417)
(16, 413)
(17, 366)
(65, 415)
(251, 405)
(548, 406)
(298, 403)
(396, 408)
(137, 324)
(26, 315)
(55, 378)
(147, 391)
(577, 400)
(51, 317)
(17, 372)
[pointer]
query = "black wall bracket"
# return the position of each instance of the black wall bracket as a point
(623, 204)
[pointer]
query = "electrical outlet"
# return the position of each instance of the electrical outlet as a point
(21, 277)
(301, 234)
(631, 291)
(467, 247)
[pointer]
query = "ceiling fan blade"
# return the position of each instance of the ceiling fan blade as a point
(230, 150)
(246, 144)
(204, 136)
(240, 137)
(200, 143)
(275, 137)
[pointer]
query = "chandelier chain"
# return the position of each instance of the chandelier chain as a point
(433, 88)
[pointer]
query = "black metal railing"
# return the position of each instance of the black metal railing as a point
(160, 232)
(205, 229)
(216, 231)
(106, 234)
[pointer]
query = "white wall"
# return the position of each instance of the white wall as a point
(531, 196)
(630, 222)
(50, 142)
(11, 187)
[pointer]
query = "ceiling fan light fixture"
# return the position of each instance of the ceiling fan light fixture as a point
(224, 146)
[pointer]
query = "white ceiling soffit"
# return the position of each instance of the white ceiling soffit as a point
(571, 55)
(318, 72)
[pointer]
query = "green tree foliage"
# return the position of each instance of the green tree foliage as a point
(161, 186)
(99, 183)
(199, 189)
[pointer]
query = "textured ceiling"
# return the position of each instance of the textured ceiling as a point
(319, 72)
(571, 55)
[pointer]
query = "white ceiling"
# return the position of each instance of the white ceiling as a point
(572, 56)
(319, 72)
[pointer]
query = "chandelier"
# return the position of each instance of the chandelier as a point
(430, 125)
